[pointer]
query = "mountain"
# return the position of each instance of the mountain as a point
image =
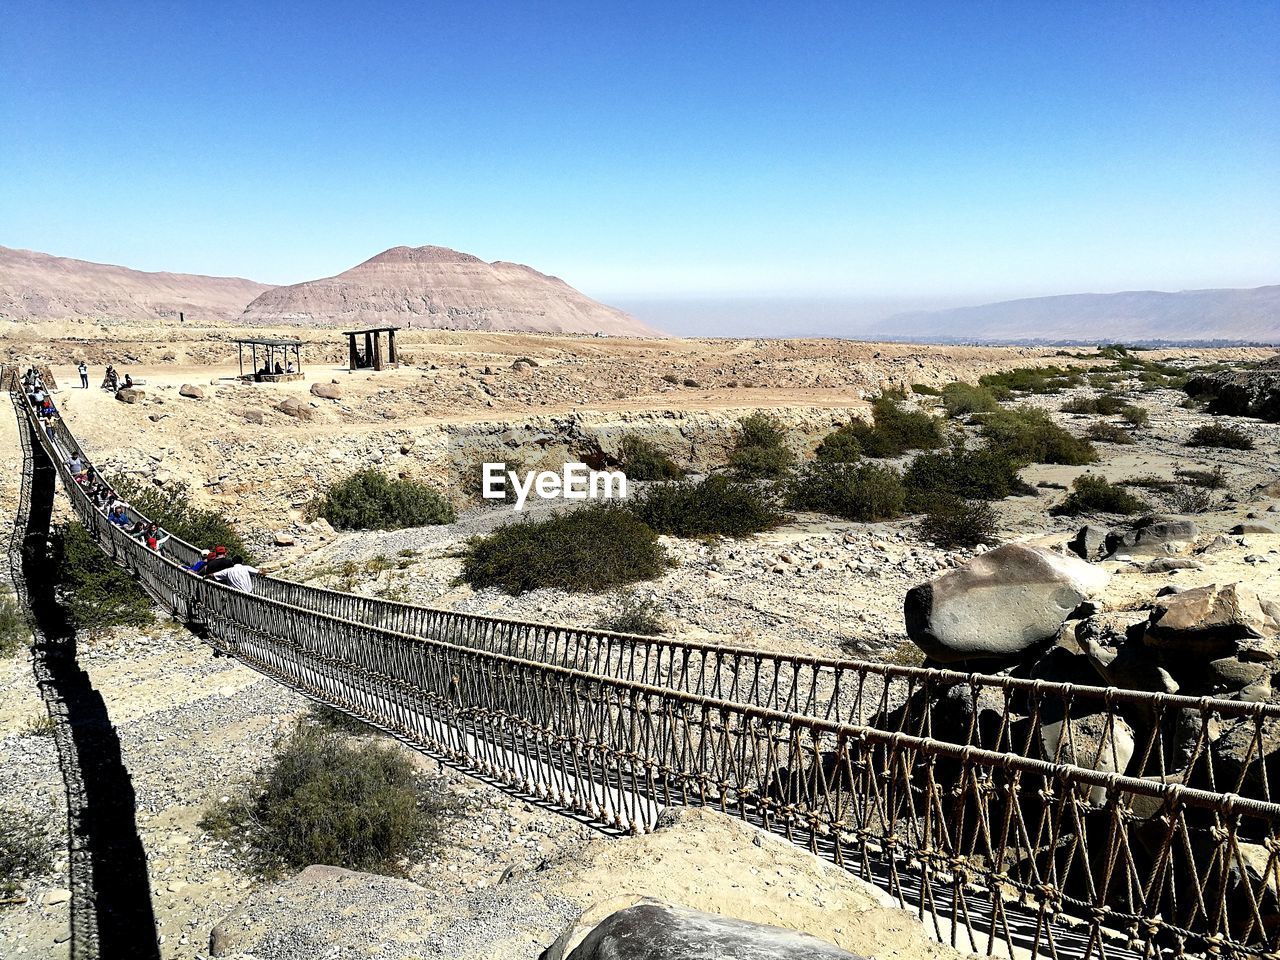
(439, 287)
(1248, 314)
(38, 286)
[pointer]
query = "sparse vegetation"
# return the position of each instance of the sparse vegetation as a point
(1093, 494)
(631, 614)
(172, 509)
(1031, 436)
(895, 430)
(96, 593)
(953, 522)
(597, 547)
(1136, 416)
(1104, 431)
(14, 635)
(964, 399)
(1190, 499)
(1220, 435)
(839, 446)
(1104, 404)
(25, 851)
(1215, 479)
(983, 473)
(924, 390)
(761, 452)
(866, 491)
(715, 506)
(331, 718)
(1050, 379)
(640, 459)
(370, 500)
(326, 800)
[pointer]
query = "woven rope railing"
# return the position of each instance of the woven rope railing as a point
(985, 828)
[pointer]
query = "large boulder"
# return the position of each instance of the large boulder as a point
(662, 931)
(1096, 741)
(1214, 621)
(327, 391)
(1152, 536)
(190, 391)
(293, 408)
(130, 395)
(1113, 644)
(1090, 542)
(1000, 604)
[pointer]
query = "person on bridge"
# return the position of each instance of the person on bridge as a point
(84, 375)
(238, 575)
(75, 464)
(221, 561)
(118, 516)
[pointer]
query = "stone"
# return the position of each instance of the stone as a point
(522, 368)
(130, 395)
(295, 409)
(1152, 536)
(1217, 545)
(1095, 741)
(1090, 542)
(283, 539)
(1172, 564)
(999, 604)
(1265, 529)
(56, 896)
(251, 416)
(651, 930)
(1113, 644)
(1214, 621)
(326, 391)
(190, 391)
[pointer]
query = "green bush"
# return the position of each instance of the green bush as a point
(594, 548)
(964, 399)
(1215, 479)
(840, 446)
(1220, 435)
(1050, 379)
(716, 505)
(640, 459)
(924, 390)
(326, 800)
(983, 473)
(866, 491)
(1031, 436)
(760, 451)
(171, 508)
(370, 500)
(1104, 431)
(95, 592)
(954, 522)
(896, 430)
(1091, 494)
(14, 635)
(632, 614)
(1104, 404)
(25, 850)
(1135, 416)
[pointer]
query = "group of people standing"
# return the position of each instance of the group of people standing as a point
(216, 564)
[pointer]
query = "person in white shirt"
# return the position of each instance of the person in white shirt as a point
(237, 576)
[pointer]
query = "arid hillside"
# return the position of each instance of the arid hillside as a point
(40, 287)
(441, 288)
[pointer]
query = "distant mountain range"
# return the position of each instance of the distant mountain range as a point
(1189, 315)
(404, 286)
(38, 286)
(439, 287)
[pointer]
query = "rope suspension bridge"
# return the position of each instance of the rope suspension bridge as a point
(1018, 828)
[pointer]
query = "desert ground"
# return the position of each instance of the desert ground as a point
(509, 875)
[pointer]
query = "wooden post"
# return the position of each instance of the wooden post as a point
(354, 359)
(391, 347)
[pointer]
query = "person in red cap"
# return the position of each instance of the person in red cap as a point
(220, 561)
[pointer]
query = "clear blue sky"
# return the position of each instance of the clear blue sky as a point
(898, 150)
